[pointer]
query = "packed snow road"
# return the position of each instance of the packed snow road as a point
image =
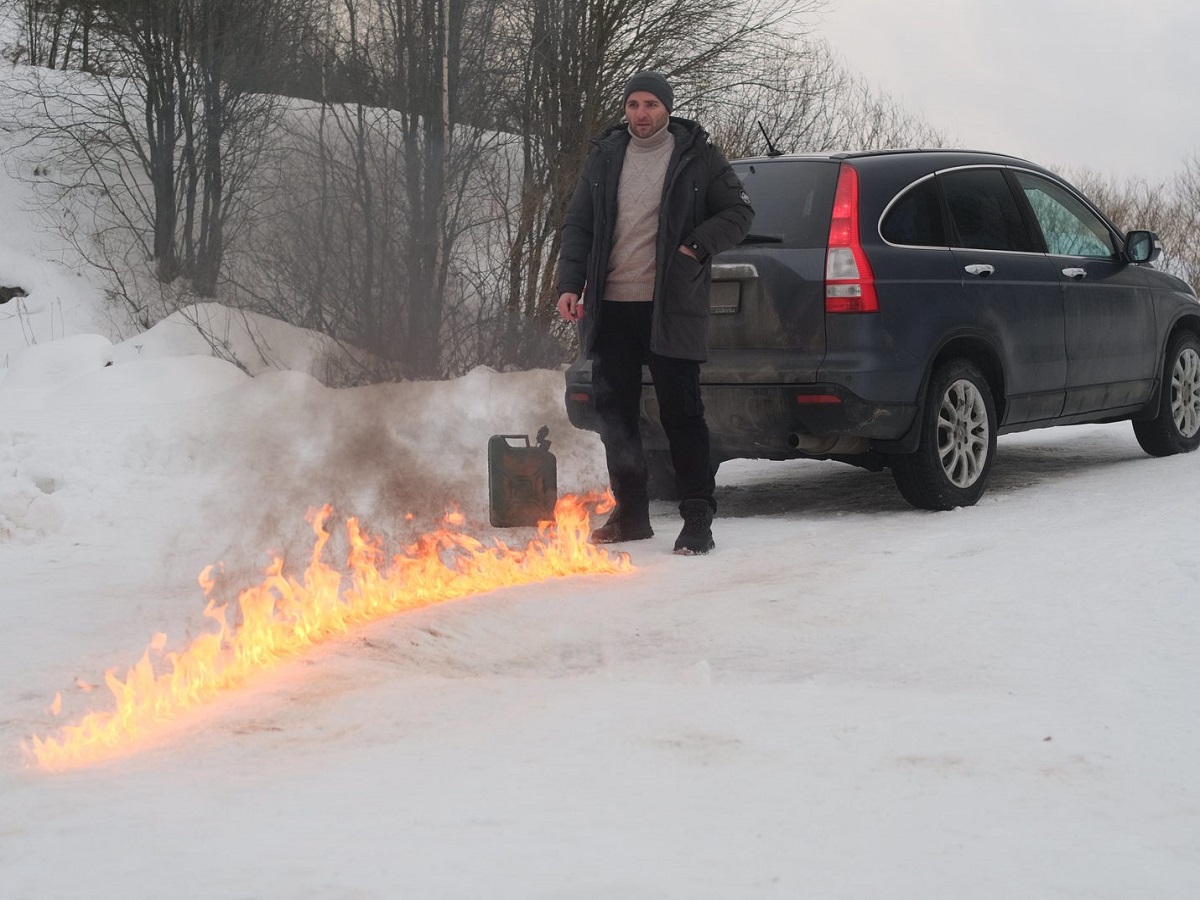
(848, 698)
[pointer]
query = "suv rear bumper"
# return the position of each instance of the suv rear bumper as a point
(769, 420)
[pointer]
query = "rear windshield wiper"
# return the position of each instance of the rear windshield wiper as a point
(762, 239)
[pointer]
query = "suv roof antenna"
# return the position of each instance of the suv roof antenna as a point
(771, 149)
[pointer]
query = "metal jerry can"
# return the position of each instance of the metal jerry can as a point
(522, 480)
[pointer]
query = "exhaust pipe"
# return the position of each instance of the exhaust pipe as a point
(820, 446)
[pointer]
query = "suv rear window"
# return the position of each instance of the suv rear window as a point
(793, 200)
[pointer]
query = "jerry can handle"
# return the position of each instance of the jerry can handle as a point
(513, 437)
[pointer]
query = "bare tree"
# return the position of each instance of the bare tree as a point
(420, 80)
(1183, 242)
(791, 102)
(804, 100)
(391, 178)
(170, 128)
(56, 34)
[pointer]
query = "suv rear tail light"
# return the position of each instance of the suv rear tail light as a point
(849, 281)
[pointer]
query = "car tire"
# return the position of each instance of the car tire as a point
(1176, 428)
(951, 464)
(660, 480)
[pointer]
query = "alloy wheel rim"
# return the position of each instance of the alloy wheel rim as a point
(1185, 393)
(963, 433)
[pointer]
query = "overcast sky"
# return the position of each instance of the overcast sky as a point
(1107, 84)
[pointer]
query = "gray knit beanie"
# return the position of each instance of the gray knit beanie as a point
(654, 83)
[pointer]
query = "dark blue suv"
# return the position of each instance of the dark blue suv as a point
(903, 308)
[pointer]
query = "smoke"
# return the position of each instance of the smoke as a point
(397, 456)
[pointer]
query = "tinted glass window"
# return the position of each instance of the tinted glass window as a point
(792, 200)
(984, 211)
(916, 218)
(1069, 227)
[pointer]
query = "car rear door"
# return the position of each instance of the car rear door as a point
(1011, 291)
(1112, 344)
(767, 306)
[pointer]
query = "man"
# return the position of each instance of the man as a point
(656, 201)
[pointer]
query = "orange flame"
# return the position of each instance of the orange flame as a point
(282, 617)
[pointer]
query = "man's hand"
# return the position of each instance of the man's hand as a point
(687, 251)
(570, 306)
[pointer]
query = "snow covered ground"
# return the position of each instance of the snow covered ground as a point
(848, 699)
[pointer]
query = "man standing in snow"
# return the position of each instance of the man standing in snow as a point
(656, 201)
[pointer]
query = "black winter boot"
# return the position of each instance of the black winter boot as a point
(627, 523)
(696, 536)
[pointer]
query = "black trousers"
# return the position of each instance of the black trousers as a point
(622, 347)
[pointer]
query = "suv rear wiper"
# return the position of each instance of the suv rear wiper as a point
(762, 239)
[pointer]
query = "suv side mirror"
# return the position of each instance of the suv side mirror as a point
(1142, 246)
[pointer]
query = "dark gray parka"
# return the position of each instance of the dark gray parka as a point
(704, 207)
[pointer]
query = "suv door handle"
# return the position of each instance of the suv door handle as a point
(983, 270)
(1075, 273)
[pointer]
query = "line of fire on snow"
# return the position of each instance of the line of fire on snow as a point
(284, 615)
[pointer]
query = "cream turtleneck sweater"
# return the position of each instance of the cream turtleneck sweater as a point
(631, 264)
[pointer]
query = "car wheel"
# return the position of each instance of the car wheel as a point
(958, 441)
(1176, 428)
(660, 481)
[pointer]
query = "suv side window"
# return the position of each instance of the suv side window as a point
(1069, 227)
(915, 219)
(985, 212)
